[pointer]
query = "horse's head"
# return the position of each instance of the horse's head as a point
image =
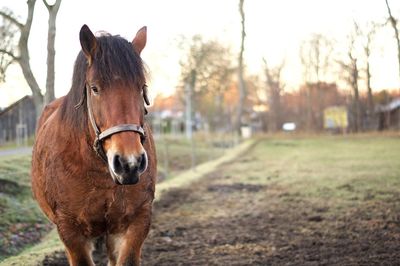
(115, 88)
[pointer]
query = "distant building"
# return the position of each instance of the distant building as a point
(18, 120)
(166, 115)
(389, 115)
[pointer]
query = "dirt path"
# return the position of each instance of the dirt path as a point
(247, 224)
(16, 151)
(231, 217)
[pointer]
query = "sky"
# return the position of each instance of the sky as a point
(275, 30)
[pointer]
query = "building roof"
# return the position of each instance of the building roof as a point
(394, 104)
(11, 106)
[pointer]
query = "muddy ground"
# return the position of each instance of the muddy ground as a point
(17, 232)
(263, 225)
(224, 220)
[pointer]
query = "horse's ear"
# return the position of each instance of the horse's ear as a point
(88, 43)
(139, 42)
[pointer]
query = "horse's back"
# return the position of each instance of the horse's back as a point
(48, 111)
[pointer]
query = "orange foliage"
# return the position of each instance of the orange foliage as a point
(167, 103)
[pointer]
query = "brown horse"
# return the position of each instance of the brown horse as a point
(94, 161)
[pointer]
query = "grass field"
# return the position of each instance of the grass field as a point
(316, 167)
(174, 154)
(320, 189)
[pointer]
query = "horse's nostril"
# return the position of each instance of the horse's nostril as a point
(140, 159)
(118, 163)
(122, 166)
(142, 162)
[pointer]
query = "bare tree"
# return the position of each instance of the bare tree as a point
(353, 80)
(20, 53)
(275, 88)
(206, 71)
(202, 70)
(218, 83)
(305, 58)
(351, 76)
(7, 34)
(315, 55)
(367, 36)
(241, 85)
(393, 21)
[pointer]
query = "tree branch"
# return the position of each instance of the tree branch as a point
(47, 5)
(3, 51)
(11, 18)
(392, 19)
(3, 71)
(396, 31)
(56, 5)
(29, 19)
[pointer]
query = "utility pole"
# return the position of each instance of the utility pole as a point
(189, 86)
(188, 111)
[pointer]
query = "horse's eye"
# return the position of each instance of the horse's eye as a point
(94, 89)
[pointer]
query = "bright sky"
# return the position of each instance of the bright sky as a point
(275, 29)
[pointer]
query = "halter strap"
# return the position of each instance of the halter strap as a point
(100, 136)
(91, 117)
(119, 128)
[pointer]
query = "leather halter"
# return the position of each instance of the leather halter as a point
(100, 136)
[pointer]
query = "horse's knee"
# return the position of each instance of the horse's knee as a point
(78, 248)
(130, 250)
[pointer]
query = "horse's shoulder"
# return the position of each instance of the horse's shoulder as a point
(49, 110)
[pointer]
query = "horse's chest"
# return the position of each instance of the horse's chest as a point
(90, 214)
(106, 211)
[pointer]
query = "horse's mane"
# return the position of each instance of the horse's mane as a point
(114, 56)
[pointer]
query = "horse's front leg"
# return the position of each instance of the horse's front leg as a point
(132, 241)
(78, 247)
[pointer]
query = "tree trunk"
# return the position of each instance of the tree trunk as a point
(309, 108)
(274, 88)
(30, 79)
(24, 58)
(370, 99)
(393, 22)
(367, 51)
(51, 35)
(357, 111)
(276, 108)
(241, 85)
(320, 114)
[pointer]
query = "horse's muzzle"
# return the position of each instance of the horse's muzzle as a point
(126, 170)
